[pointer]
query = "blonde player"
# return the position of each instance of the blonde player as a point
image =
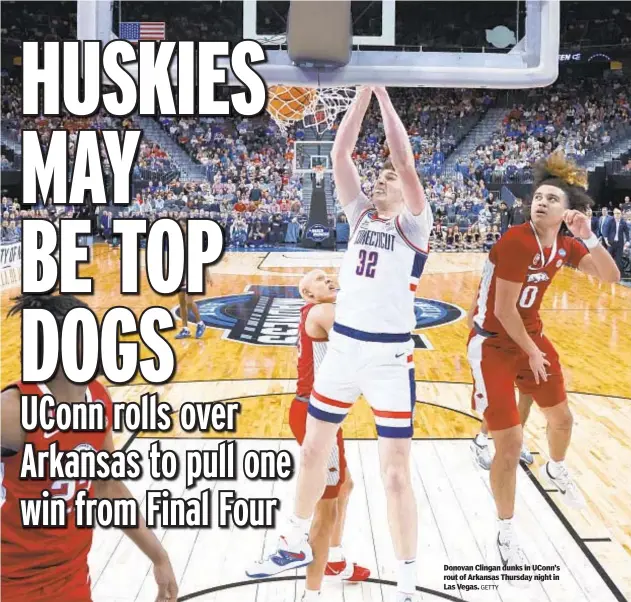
(370, 346)
(316, 320)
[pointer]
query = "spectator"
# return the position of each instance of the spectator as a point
(293, 231)
(604, 218)
(517, 216)
(593, 220)
(504, 215)
(256, 238)
(617, 237)
(342, 230)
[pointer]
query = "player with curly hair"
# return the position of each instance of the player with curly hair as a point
(507, 346)
(39, 564)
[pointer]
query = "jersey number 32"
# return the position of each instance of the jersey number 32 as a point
(367, 263)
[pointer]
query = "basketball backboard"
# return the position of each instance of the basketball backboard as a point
(524, 52)
(312, 154)
(382, 54)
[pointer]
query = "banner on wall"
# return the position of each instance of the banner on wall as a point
(10, 255)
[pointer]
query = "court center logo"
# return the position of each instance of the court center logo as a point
(269, 315)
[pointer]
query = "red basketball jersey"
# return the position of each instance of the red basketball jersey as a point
(518, 257)
(33, 557)
(310, 354)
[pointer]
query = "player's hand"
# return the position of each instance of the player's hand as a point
(538, 363)
(578, 223)
(167, 583)
(380, 91)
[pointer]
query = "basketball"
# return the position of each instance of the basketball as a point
(289, 104)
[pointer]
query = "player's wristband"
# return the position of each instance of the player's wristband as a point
(592, 242)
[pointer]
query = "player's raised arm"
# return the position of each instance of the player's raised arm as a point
(142, 536)
(597, 262)
(401, 154)
(344, 171)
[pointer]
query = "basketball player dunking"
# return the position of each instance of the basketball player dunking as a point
(187, 302)
(316, 320)
(370, 348)
(507, 345)
(40, 565)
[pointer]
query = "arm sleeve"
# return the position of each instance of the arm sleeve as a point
(511, 258)
(576, 252)
(356, 208)
(415, 229)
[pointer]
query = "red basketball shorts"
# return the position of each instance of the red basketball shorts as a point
(70, 588)
(336, 465)
(497, 368)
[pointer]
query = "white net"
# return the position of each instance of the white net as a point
(316, 108)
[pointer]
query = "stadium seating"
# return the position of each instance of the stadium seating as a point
(239, 171)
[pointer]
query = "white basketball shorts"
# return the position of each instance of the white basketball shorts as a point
(379, 366)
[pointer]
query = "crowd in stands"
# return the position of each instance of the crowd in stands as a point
(575, 115)
(12, 220)
(460, 224)
(13, 214)
(436, 121)
(249, 219)
(251, 190)
(150, 155)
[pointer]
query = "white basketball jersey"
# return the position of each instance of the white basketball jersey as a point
(319, 351)
(381, 269)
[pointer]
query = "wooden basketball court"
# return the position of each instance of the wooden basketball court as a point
(248, 355)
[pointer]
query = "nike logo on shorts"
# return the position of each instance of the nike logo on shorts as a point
(399, 354)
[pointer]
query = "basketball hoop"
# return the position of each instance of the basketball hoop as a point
(316, 108)
(319, 174)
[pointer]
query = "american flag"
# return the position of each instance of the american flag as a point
(135, 31)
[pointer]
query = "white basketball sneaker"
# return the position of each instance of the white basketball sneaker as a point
(570, 492)
(481, 452)
(526, 455)
(509, 548)
(285, 558)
